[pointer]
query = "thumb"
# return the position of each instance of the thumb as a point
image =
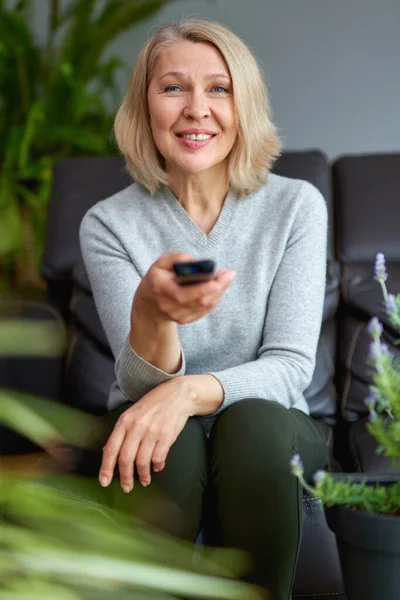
(225, 276)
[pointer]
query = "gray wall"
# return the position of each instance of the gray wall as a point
(332, 66)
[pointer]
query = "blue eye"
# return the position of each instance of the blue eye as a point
(172, 88)
(219, 88)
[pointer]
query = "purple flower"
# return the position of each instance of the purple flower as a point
(373, 415)
(296, 465)
(391, 304)
(380, 268)
(385, 350)
(319, 476)
(375, 327)
(370, 401)
(376, 350)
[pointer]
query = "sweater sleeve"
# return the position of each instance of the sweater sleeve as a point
(114, 279)
(286, 358)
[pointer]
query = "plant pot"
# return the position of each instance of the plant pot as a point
(369, 548)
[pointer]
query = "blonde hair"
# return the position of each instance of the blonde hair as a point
(257, 145)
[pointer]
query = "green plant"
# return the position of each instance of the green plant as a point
(59, 539)
(56, 100)
(383, 403)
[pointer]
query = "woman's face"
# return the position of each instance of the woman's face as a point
(191, 108)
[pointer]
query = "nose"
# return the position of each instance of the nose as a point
(197, 107)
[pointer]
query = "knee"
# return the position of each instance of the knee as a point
(255, 418)
(254, 433)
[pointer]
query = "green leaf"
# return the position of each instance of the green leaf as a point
(45, 422)
(10, 228)
(99, 570)
(25, 421)
(25, 589)
(31, 338)
(34, 119)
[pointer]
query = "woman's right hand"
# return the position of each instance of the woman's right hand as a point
(161, 297)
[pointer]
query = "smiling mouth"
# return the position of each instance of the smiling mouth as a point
(201, 137)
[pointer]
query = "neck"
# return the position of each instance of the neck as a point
(200, 193)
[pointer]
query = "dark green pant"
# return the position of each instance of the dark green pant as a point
(241, 476)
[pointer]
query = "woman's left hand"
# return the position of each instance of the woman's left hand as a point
(145, 432)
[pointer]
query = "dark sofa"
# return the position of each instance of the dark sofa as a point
(363, 197)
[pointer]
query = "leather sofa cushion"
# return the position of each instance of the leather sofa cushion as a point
(367, 208)
(77, 185)
(88, 376)
(333, 465)
(332, 293)
(363, 447)
(362, 292)
(323, 596)
(318, 546)
(318, 550)
(85, 317)
(321, 393)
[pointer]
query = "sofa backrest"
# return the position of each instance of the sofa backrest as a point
(78, 183)
(366, 190)
(367, 207)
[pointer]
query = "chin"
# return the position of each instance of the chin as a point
(195, 167)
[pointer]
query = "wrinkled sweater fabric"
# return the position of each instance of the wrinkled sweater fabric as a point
(260, 341)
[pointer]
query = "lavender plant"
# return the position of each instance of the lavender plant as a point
(383, 402)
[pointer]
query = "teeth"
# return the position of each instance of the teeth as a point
(200, 137)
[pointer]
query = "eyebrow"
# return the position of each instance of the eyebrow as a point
(210, 76)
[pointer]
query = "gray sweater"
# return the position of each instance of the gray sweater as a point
(260, 341)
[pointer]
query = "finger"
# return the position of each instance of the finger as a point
(161, 272)
(143, 460)
(225, 277)
(166, 261)
(160, 454)
(163, 446)
(110, 454)
(126, 461)
(190, 295)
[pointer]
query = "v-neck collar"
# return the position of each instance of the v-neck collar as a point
(191, 229)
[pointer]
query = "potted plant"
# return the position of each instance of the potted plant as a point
(364, 511)
(57, 99)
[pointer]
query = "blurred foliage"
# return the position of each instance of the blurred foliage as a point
(59, 537)
(30, 338)
(54, 545)
(56, 100)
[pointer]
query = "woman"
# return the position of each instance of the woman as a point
(196, 132)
